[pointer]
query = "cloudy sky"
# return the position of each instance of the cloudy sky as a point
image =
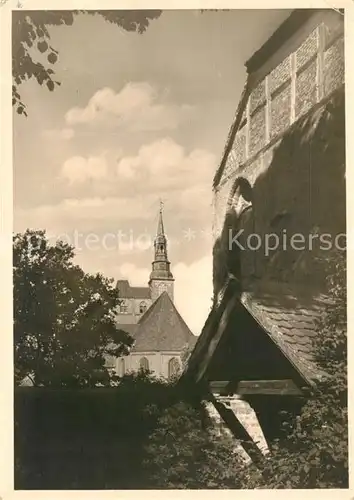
(136, 118)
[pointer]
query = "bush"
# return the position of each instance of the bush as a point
(185, 452)
(314, 453)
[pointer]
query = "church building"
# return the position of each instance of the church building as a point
(148, 314)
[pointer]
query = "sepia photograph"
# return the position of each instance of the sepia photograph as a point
(179, 249)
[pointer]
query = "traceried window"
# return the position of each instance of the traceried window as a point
(173, 367)
(142, 307)
(144, 364)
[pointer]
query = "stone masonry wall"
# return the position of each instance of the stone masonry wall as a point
(305, 77)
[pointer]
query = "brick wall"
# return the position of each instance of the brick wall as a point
(333, 66)
(306, 88)
(298, 185)
(257, 137)
(290, 89)
(280, 106)
(294, 162)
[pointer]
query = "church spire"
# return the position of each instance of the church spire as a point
(160, 228)
(161, 278)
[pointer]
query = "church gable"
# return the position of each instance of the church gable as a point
(162, 328)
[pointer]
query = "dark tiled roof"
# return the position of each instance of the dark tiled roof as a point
(289, 316)
(162, 328)
(128, 328)
(132, 292)
(140, 292)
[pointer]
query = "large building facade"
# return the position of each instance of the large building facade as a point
(149, 316)
(279, 189)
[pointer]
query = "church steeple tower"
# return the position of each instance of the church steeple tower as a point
(161, 278)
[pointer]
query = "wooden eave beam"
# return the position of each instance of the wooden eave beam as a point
(286, 387)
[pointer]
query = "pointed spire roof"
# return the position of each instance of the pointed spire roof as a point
(162, 328)
(160, 228)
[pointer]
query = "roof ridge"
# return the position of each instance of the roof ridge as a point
(162, 327)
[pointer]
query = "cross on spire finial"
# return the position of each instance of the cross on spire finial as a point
(161, 205)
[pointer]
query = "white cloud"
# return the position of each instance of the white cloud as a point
(137, 276)
(64, 133)
(194, 281)
(85, 214)
(165, 169)
(78, 169)
(130, 199)
(135, 107)
(165, 164)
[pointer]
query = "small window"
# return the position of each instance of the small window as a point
(142, 307)
(121, 367)
(144, 364)
(123, 307)
(173, 367)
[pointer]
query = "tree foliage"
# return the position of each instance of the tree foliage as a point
(30, 33)
(185, 451)
(64, 319)
(314, 453)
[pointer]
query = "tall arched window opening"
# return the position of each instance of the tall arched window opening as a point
(173, 367)
(121, 367)
(144, 364)
(142, 307)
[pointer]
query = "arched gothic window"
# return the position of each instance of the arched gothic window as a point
(173, 367)
(144, 364)
(142, 307)
(239, 223)
(241, 196)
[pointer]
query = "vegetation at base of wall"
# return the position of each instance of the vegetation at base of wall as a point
(185, 452)
(314, 453)
(118, 438)
(314, 450)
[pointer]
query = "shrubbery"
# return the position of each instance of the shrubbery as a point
(314, 451)
(149, 433)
